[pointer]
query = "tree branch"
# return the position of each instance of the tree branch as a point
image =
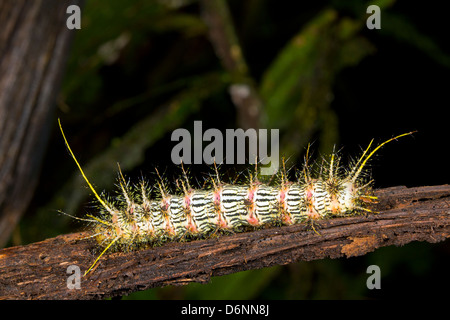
(34, 47)
(39, 270)
(224, 40)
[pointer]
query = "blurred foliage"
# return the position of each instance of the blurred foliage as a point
(140, 69)
(300, 79)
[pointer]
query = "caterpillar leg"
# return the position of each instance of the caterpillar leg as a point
(313, 224)
(365, 211)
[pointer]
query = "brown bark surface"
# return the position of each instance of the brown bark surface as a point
(39, 270)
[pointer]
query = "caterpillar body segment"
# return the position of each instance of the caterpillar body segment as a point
(136, 220)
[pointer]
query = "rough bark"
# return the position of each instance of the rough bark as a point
(39, 270)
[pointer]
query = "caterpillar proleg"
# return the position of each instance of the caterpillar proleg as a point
(135, 219)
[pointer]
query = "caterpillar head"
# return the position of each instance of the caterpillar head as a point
(354, 198)
(353, 192)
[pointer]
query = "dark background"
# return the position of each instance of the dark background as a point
(368, 84)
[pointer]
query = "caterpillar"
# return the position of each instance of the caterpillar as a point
(134, 219)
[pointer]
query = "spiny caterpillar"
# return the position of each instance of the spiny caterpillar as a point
(135, 220)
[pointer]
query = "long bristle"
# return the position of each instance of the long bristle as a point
(355, 175)
(82, 172)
